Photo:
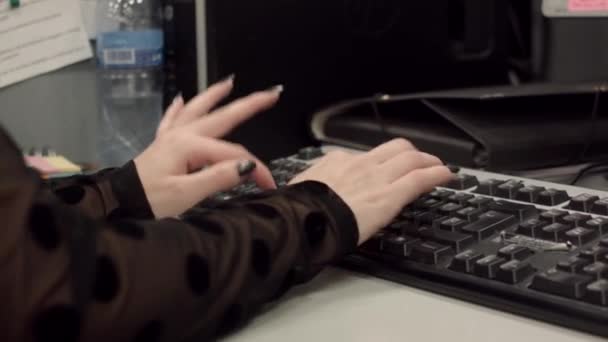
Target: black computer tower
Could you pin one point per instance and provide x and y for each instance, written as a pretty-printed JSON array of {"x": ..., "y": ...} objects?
[{"x": 328, "y": 51}]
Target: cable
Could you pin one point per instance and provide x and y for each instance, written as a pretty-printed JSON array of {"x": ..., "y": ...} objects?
[
  {"x": 516, "y": 27},
  {"x": 374, "y": 103},
  {"x": 592, "y": 123},
  {"x": 582, "y": 172},
  {"x": 590, "y": 136}
]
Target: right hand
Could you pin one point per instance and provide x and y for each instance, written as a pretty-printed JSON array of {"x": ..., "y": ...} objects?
[{"x": 376, "y": 185}]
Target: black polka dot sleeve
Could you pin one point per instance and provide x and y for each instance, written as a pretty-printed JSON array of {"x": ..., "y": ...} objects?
[
  {"x": 73, "y": 271},
  {"x": 111, "y": 193}
]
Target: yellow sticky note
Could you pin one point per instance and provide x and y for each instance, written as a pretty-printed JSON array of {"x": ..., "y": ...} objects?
[{"x": 63, "y": 165}]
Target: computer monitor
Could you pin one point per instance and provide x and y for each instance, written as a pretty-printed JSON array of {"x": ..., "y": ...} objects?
[{"x": 327, "y": 51}]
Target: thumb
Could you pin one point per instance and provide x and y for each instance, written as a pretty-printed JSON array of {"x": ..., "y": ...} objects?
[{"x": 218, "y": 177}]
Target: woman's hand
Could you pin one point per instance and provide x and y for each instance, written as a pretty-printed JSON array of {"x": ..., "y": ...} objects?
[
  {"x": 376, "y": 185},
  {"x": 188, "y": 162}
]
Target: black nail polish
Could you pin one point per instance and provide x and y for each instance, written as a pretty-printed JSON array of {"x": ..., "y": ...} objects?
[{"x": 246, "y": 167}]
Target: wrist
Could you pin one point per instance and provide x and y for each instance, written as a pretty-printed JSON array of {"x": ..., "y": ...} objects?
[{"x": 129, "y": 192}]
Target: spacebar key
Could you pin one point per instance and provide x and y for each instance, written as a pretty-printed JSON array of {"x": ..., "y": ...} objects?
[{"x": 488, "y": 224}]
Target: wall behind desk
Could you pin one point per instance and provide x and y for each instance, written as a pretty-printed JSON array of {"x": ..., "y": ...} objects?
[{"x": 58, "y": 109}]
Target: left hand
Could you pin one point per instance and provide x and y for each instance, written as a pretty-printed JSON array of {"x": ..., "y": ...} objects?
[{"x": 187, "y": 161}]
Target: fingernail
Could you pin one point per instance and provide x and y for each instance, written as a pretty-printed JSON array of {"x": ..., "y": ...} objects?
[
  {"x": 246, "y": 167},
  {"x": 178, "y": 97},
  {"x": 277, "y": 89},
  {"x": 230, "y": 78}
]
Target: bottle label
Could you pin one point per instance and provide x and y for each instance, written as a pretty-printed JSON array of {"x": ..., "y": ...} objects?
[{"x": 130, "y": 49}]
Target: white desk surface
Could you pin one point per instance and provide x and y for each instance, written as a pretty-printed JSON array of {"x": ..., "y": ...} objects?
[{"x": 343, "y": 306}]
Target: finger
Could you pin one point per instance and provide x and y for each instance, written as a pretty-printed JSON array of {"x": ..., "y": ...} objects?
[
  {"x": 170, "y": 115},
  {"x": 219, "y": 177},
  {"x": 225, "y": 119},
  {"x": 406, "y": 162},
  {"x": 420, "y": 181},
  {"x": 206, "y": 151},
  {"x": 388, "y": 150},
  {"x": 206, "y": 101}
]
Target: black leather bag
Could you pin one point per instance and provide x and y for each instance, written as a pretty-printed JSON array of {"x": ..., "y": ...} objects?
[{"x": 503, "y": 128}]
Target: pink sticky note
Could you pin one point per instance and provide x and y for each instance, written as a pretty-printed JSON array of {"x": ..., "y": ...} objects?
[
  {"x": 587, "y": 5},
  {"x": 40, "y": 164}
]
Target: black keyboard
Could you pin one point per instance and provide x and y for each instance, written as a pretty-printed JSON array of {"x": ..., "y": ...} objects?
[{"x": 531, "y": 248}]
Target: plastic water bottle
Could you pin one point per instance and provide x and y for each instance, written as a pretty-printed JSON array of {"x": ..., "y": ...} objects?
[{"x": 130, "y": 77}]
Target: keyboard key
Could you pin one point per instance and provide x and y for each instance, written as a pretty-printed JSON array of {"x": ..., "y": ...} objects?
[
  {"x": 488, "y": 224},
  {"x": 399, "y": 227},
  {"x": 600, "y": 207},
  {"x": 375, "y": 243},
  {"x": 465, "y": 261},
  {"x": 460, "y": 198},
  {"x": 463, "y": 182},
  {"x": 470, "y": 214},
  {"x": 430, "y": 253},
  {"x": 599, "y": 224},
  {"x": 428, "y": 204},
  {"x": 580, "y": 236},
  {"x": 597, "y": 270},
  {"x": 561, "y": 283},
  {"x": 521, "y": 211},
  {"x": 452, "y": 224},
  {"x": 449, "y": 209},
  {"x": 309, "y": 153},
  {"x": 509, "y": 189},
  {"x": 555, "y": 232},
  {"x": 301, "y": 167},
  {"x": 553, "y": 215},
  {"x": 515, "y": 252},
  {"x": 410, "y": 215},
  {"x": 414, "y": 229},
  {"x": 278, "y": 163},
  {"x": 595, "y": 253},
  {"x": 582, "y": 202},
  {"x": 426, "y": 218},
  {"x": 457, "y": 241},
  {"x": 531, "y": 228},
  {"x": 480, "y": 202},
  {"x": 573, "y": 264},
  {"x": 437, "y": 222},
  {"x": 552, "y": 197},
  {"x": 488, "y": 187},
  {"x": 597, "y": 292},
  {"x": 604, "y": 242},
  {"x": 529, "y": 193},
  {"x": 441, "y": 194},
  {"x": 398, "y": 245},
  {"x": 488, "y": 266},
  {"x": 514, "y": 271},
  {"x": 574, "y": 219}
]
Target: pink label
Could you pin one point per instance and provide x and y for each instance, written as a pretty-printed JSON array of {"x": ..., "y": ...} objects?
[{"x": 587, "y": 5}]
